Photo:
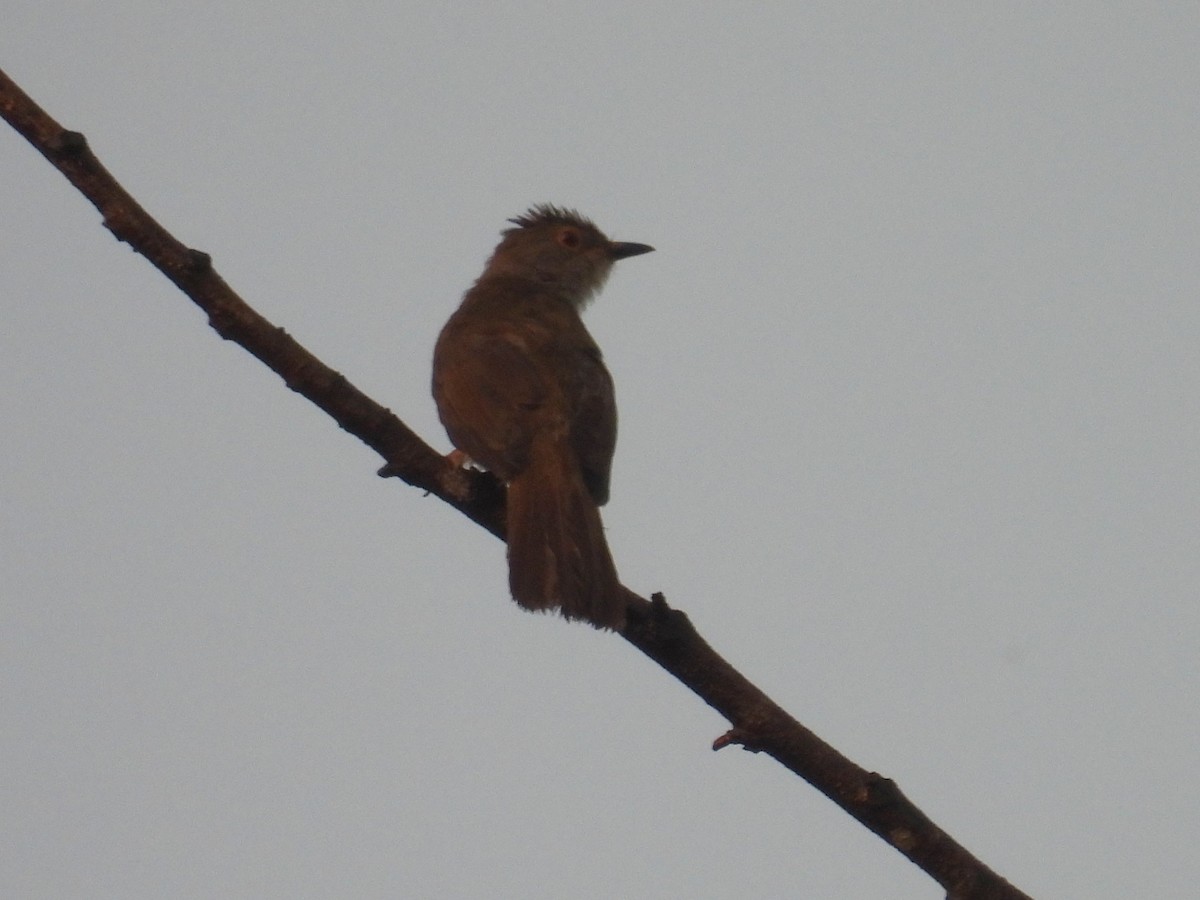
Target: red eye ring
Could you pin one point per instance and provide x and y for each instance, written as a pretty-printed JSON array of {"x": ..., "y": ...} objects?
[{"x": 570, "y": 238}]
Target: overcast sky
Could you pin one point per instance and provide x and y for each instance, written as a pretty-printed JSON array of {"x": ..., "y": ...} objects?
[{"x": 909, "y": 427}]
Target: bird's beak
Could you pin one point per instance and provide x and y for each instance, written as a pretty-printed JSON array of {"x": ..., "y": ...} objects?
[{"x": 623, "y": 249}]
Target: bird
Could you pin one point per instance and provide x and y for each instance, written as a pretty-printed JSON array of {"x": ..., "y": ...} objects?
[{"x": 523, "y": 392}]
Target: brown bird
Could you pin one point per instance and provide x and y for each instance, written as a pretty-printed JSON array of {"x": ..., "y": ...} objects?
[{"x": 522, "y": 390}]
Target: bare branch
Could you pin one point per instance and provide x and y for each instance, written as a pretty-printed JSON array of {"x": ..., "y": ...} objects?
[{"x": 664, "y": 634}]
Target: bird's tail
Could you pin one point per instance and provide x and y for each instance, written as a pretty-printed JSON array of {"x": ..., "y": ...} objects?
[{"x": 557, "y": 554}]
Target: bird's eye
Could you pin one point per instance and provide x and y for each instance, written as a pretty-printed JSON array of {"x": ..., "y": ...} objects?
[{"x": 570, "y": 238}]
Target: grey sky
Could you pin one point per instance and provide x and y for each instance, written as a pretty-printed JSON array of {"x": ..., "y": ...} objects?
[{"x": 908, "y": 426}]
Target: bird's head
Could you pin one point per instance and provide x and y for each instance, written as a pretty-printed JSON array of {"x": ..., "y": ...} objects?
[{"x": 560, "y": 248}]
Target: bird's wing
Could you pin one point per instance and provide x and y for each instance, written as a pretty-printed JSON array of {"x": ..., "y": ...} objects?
[{"x": 594, "y": 425}]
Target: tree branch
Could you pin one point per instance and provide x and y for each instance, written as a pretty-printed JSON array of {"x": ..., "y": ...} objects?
[{"x": 664, "y": 634}]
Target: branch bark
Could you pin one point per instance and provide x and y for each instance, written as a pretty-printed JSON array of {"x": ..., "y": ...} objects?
[{"x": 664, "y": 634}]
